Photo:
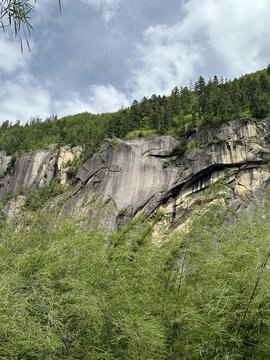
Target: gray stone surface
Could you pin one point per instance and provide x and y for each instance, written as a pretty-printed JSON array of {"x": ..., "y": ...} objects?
[
  {"x": 4, "y": 162},
  {"x": 34, "y": 170},
  {"x": 24, "y": 173},
  {"x": 131, "y": 174},
  {"x": 13, "y": 207},
  {"x": 126, "y": 178},
  {"x": 121, "y": 179},
  {"x": 237, "y": 153}
]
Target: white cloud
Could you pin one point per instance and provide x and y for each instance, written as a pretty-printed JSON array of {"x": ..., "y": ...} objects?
[
  {"x": 22, "y": 98},
  {"x": 11, "y": 58},
  {"x": 214, "y": 36},
  {"x": 105, "y": 98},
  {"x": 100, "y": 99},
  {"x": 164, "y": 61},
  {"x": 237, "y": 32},
  {"x": 71, "y": 105},
  {"x": 108, "y": 7}
]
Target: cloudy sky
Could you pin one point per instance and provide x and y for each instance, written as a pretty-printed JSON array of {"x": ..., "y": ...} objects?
[{"x": 100, "y": 55}]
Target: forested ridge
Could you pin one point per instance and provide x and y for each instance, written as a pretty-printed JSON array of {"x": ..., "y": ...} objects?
[{"x": 205, "y": 103}]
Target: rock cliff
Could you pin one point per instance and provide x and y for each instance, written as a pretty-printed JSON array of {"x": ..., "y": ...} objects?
[
  {"x": 140, "y": 176},
  {"x": 126, "y": 178},
  {"x": 237, "y": 154},
  {"x": 33, "y": 171}
]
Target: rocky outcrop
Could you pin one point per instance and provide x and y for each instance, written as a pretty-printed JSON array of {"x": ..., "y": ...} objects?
[
  {"x": 4, "y": 163},
  {"x": 139, "y": 176},
  {"x": 132, "y": 172},
  {"x": 64, "y": 159},
  {"x": 237, "y": 153},
  {"x": 33, "y": 171},
  {"x": 13, "y": 207},
  {"x": 126, "y": 178}
]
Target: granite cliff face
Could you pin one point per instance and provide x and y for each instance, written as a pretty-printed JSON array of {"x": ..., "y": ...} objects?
[
  {"x": 126, "y": 178},
  {"x": 237, "y": 154},
  {"x": 33, "y": 171}
]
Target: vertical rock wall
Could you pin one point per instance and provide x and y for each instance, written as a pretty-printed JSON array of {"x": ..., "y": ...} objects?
[{"x": 33, "y": 171}]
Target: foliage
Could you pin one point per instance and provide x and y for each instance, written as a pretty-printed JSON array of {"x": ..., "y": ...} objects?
[
  {"x": 169, "y": 162},
  {"x": 16, "y": 14},
  {"x": 268, "y": 70},
  {"x": 113, "y": 142},
  {"x": 140, "y": 133},
  {"x": 68, "y": 293},
  {"x": 180, "y": 148},
  {"x": 213, "y": 140},
  {"x": 74, "y": 130},
  {"x": 73, "y": 168},
  {"x": 191, "y": 144},
  {"x": 38, "y": 198}
]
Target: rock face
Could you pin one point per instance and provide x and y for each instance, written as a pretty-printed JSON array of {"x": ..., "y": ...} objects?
[
  {"x": 132, "y": 172},
  {"x": 238, "y": 153},
  {"x": 32, "y": 168},
  {"x": 65, "y": 156},
  {"x": 126, "y": 178},
  {"x": 4, "y": 162},
  {"x": 12, "y": 208},
  {"x": 33, "y": 171},
  {"x": 133, "y": 177}
]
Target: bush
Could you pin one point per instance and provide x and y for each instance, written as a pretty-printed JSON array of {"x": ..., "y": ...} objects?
[
  {"x": 38, "y": 198},
  {"x": 71, "y": 293},
  {"x": 181, "y": 148},
  {"x": 140, "y": 133}
]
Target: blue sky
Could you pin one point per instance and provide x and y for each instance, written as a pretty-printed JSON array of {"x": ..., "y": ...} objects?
[{"x": 100, "y": 55}]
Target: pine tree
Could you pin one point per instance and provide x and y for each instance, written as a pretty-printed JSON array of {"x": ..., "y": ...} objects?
[
  {"x": 200, "y": 85},
  {"x": 268, "y": 70},
  {"x": 265, "y": 87},
  {"x": 175, "y": 100}
]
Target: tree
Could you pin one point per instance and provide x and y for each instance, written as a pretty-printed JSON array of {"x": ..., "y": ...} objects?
[
  {"x": 259, "y": 106},
  {"x": 175, "y": 100},
  {"x": 265, "y": 87},
  {"x": 16, "y": 14},
  {"x": 268, "y": 70},
  {"x": 200, "y": 85}
]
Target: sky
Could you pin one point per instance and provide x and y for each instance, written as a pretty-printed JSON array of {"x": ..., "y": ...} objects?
[{"x": 100, "y": 55}]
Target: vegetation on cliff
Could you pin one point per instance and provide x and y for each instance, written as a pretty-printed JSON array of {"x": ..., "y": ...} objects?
[
  {"x": 68, "y": 293},
  {"x": 202, "y": 104}
]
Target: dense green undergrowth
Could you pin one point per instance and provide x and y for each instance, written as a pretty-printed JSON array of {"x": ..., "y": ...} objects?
[
  {"x": 69, "y": 293},
  {"x": 201, "y": 104}
]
